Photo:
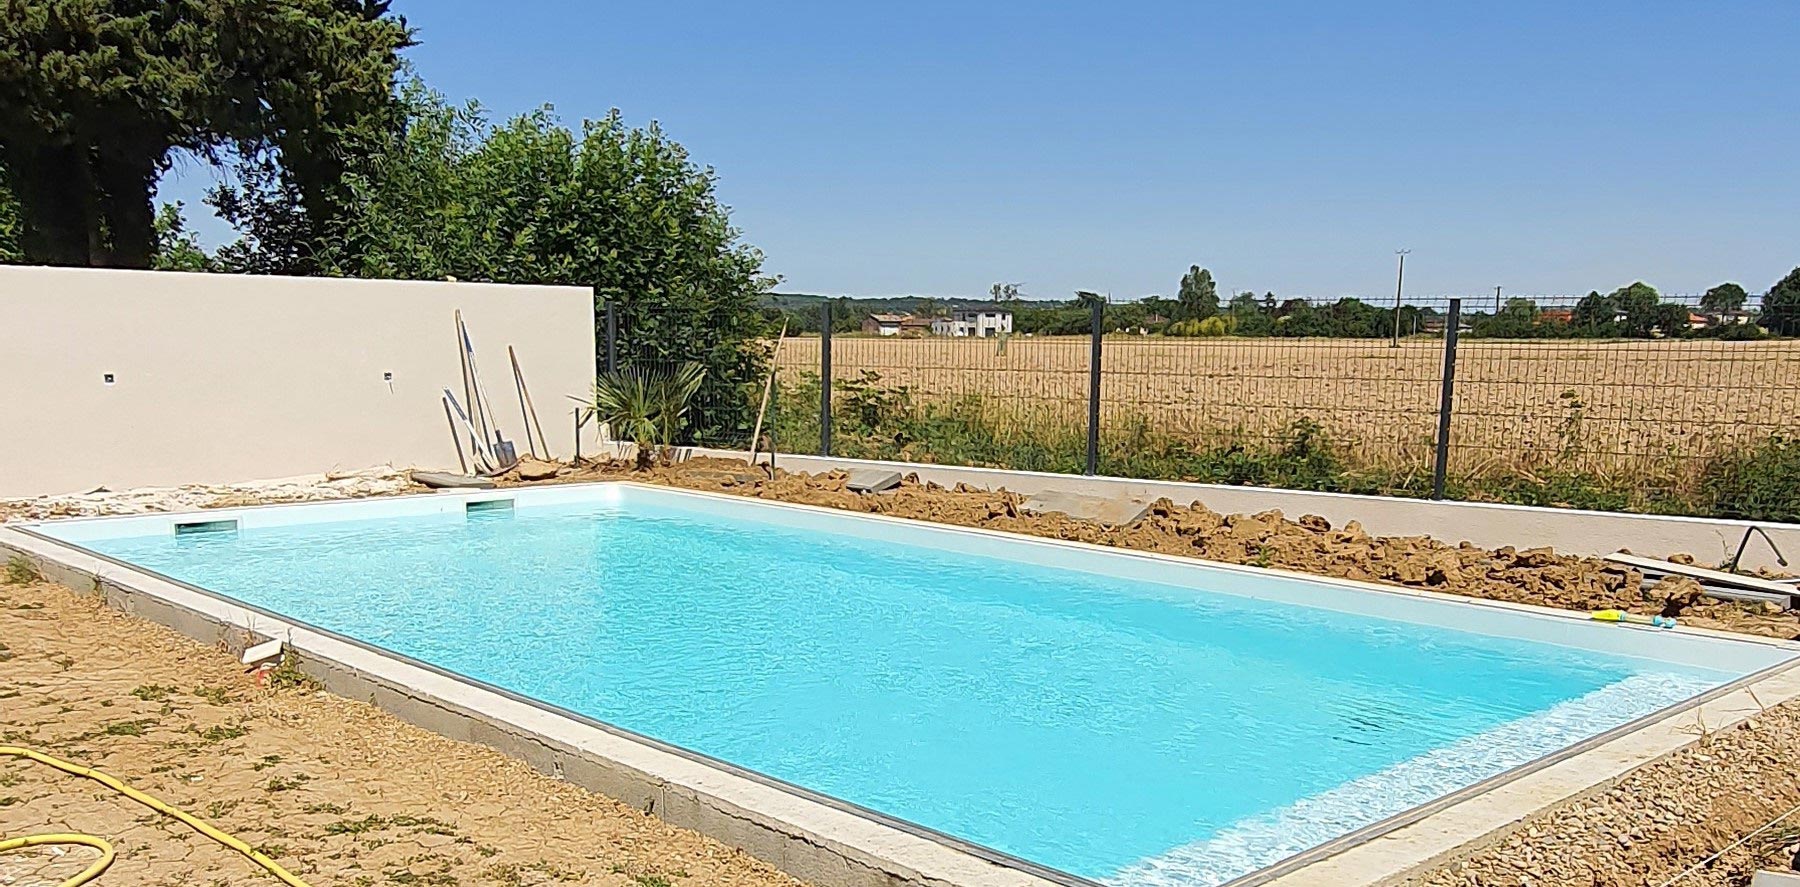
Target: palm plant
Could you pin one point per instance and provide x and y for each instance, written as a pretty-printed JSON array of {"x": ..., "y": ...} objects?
[{"x": 647, "y": 407}]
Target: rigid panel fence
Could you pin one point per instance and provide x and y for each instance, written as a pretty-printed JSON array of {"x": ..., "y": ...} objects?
[{"x": 1623, "y": 402}]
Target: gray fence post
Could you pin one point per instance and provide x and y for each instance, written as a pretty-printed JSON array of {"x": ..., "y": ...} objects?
[
  {"x": 612, "y": 338},
  {"x": 1093, "y": 434},
  {"x": 825, "y": 378},
  {"x": 1446, "y": 399}
]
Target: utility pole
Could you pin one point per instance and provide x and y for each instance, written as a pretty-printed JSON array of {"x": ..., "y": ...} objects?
[
  {"x": 1496, "y": 301},
  {"x": 1399, "y": 287}
]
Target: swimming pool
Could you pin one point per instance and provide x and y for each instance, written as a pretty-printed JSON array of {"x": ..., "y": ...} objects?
[{"x": 1123, "y": 718}]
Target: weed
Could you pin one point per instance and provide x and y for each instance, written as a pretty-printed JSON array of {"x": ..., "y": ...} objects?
[
  {"x": 9, "y": 800},
  {"x": 333, "y": 809},
  {"x": 288, "y": 676},
  {"x": 223, "y": 732},
  {"x": 215, "y": 695},
  {"x": 368, "y": 823},
  {"x": 126, "y": 728},
  {"x": 152, "y": 692},
  {"x": 19, "y": 571},
  {"x": 876, "y": 419},
  {"x": 217, "y": 809},
  {"x": 278, "y": 784},
  {"x": 653, "y": 881},
  {"x": 1758, "y": 483},
  {"x": 266, "y": 762}
]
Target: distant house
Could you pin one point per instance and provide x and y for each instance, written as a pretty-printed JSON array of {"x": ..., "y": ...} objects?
[
  {"x": 885, "y": 324},
  {"x": 1728, "y": 318},
  {"x": 979, "y": 321},
  {"x": 1556, "y": 315}
]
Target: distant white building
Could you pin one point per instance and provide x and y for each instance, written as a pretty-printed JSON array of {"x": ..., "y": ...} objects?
[{"x": 980, "y": 321}]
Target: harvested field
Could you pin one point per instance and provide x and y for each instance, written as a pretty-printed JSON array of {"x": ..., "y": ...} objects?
[
  {"x": 1602, "y": 406},
  {"x": 334, "y": 790}
]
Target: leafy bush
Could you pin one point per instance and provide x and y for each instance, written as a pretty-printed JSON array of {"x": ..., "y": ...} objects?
[
  {"x": 1758, "y": 483},
  {"x": 1209, "y": 327}
]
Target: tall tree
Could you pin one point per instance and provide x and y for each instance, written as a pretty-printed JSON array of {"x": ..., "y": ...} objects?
[
  {"x": 1781, "y": 306},
  {"x": 96, "y": 95},
  {"x": 1199, "y": 295},
  {"x": 1005, "y": 292},
  {"x": 12, "y": 249},
  {"x": 1723, "y": 298},
  {"x": 618, "y": 209}
]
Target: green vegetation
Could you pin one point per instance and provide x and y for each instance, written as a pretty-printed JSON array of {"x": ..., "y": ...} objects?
[
  {"x": 874, "y": 420},
  {"x": 340, "y": 165},
  {"x": 19, "y": 571},
  {"x": 647, "y": 407},
  {"x": 1781, "y": 307},
  {"x": 101, "y": 94},
  {"x": 1758, "y": 483}
]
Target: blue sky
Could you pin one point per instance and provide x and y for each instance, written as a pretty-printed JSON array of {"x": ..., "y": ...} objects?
[{"x": 927, "y": 147}]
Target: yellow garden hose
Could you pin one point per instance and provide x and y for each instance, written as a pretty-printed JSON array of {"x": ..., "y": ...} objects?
[
  {"x": 106, "y": 851},
  {"x": 87, "y": 874}
]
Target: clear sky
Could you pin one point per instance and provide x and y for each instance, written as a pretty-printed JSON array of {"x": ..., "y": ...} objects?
[{"x": 931, "y": 147}]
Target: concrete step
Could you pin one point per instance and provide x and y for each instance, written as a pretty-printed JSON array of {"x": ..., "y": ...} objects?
[
  {"x": 872, "y": 480},
  {"x": 1106, "y": 511}
]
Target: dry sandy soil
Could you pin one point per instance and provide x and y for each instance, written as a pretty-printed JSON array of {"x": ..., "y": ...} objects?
[
  {"x": 1619, "y": 404},
  {"x": 339, "y": 793}
]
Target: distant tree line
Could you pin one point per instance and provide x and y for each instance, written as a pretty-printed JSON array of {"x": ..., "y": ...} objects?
[{"x": 1633, "y": 311}]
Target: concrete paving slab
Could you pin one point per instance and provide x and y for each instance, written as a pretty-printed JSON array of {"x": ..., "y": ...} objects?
[
  {"x": 1775, "y": 879},
  {"x": 1105, "y": 510},
  {"x": 872, "y": 480},
  {"x": 439, "y": 480}
]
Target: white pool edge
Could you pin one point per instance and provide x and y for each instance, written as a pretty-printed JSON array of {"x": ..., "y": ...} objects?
[{"x": 835, "y": 844}]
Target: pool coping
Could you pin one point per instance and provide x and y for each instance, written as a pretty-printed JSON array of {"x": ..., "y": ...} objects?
[{"x": 837, "y": 844}]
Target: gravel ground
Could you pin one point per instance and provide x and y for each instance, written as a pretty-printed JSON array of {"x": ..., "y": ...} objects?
[
  {"x": 335, "y": 790},
  {"x": 1661, "y": 820}
]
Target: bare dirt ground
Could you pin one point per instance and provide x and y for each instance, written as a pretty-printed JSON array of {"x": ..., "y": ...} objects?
[{"x": 334, "y": 790}]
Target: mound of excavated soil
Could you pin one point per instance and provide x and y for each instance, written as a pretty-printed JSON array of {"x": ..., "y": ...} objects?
[{"x": 1269, "y": 539}]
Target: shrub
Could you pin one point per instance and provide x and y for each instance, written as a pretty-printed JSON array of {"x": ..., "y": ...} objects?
[{"x": 1761, "y": 482}]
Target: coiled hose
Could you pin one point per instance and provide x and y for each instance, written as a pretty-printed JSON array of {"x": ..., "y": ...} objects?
[{"x": 106, "y": 851}]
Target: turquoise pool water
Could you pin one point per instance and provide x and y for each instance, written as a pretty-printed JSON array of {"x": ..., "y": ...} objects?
[{"x": 1118, "y": 729}]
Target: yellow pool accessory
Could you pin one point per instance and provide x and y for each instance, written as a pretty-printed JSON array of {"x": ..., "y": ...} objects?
[
  {"x": 1632, "y": 618},
  {"x": 106, "y": 851},
  {"x": 87, "y": 874}
]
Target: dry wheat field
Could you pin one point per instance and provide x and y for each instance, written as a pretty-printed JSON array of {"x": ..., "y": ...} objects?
[{"x": 1602, "y": 405}]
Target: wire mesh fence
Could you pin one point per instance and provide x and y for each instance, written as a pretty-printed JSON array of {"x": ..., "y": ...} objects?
[{"x": 1601, "y": 401}]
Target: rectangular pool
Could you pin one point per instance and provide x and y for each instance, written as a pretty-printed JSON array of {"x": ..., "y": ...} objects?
[{"x": 1124, "y": 718}]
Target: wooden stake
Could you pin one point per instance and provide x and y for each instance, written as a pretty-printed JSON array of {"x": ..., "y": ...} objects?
[
  {"x": 768, "y": 386},
  {"x": 527, "y": 407}
]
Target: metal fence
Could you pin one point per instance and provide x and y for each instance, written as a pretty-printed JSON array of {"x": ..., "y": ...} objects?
[{"x": 1634, "y": 398}]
